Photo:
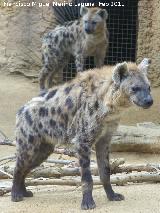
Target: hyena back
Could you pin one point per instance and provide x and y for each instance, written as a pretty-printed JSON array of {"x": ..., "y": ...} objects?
[
  {"x": 84, "y": 111},
  {"x": 80, "y": 38}
]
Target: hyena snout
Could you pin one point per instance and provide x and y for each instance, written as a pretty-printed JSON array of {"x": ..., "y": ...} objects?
[
  {"x": 89, "y": 27},
  {"x": 143, "y": 100},
  {"x": 148, "y": 101}
]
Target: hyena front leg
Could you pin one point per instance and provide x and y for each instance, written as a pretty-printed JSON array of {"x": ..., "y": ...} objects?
[
  {"x": 50, "y": 80},
  {"x": 102, "y": 154},
  {"x": 79, "y": 61},
  {"x": 86, "y": 178},
  {"x": 99, "y": 57}
]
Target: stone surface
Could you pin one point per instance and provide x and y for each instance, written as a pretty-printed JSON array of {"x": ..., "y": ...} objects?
[
  {"x": 148, "y": 42},
  {"x": 144, "y": 138},
  {"x": 20, "y": 37}
]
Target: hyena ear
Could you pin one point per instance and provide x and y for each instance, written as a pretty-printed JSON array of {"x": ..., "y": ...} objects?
[
  {"x": 103, "y": 13},
  {"x": 83, "y": 10},
  {"x": 144, "y": 65},
  {"x": 120, "y": 72}
]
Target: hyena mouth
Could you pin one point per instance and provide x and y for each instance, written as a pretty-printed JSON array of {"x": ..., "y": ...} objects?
[
  {"x": 89, "y": 31},
  {"x": 146, "y": 105}
]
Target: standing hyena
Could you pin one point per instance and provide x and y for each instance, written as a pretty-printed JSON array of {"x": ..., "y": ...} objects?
[
  {"x": 84, "y": 111},
  {"x": 85, "y": 37}
]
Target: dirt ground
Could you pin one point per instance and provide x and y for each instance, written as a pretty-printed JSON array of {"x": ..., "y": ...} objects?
[{"x": 139, "y": 198}]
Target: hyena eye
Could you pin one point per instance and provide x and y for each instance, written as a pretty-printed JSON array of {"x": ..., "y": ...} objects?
[
  {"x": 136, "y": 89},
  {"x": 94, "y": 22}
]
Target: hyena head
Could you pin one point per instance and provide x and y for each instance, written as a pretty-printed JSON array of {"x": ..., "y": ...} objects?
[
  {"x": 94, "y": 19},
  {"x": 133, "y": 83}
]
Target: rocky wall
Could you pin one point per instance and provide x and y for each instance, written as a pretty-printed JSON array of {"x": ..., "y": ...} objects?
[
  {"x": 148, "y": 42},
  {"x": 21, "y": 30}
]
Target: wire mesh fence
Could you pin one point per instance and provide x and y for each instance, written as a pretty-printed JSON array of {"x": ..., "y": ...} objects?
[{"x": 122, "y": 27}]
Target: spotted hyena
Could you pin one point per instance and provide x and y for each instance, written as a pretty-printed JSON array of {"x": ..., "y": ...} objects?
[
  {"x": 84, "y": 37},
  {"x": 84, "y": 112}
]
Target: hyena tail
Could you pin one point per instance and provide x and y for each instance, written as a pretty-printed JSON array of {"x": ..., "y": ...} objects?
[
  {"x": 66, "y": 13},
  {"x": 70, "y": 13}
]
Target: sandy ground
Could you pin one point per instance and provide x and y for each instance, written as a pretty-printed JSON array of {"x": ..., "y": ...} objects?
[{"x": 139, "y": 198}]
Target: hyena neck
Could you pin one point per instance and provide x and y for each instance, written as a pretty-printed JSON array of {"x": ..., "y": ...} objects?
[
  {"x": 98, "y": 37},
  {"x": 114, "y": 99},
  {"x": 102, "y": 33}
]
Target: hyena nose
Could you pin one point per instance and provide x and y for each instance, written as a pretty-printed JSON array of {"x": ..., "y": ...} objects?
[
  {"x": 89, "y": 31},
  {"x": 149, "y": 102}
]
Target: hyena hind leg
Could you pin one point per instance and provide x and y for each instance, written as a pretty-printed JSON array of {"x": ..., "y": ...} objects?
[
  {"x": 18, "y": 189},
  {"x": 42, "y": 78},
  {"x": 50, "y": 80},
  {"x": 55, "y": 78},
  {"x": 25, "y": 163}
]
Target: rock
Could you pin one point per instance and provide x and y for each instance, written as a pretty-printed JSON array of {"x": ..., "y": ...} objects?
[
  {"x": 141, "y": 138},
  {"x": 22, "y": 29}
]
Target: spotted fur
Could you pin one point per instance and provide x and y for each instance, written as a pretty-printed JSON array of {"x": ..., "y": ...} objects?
[{"x": 84, "y": 112}]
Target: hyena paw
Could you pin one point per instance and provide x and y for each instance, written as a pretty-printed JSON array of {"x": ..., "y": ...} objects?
[
  {"x": 16, "y": 196},
  {"x": 87, "y": 202},
  {"x": 116, "y": 197},
  {"x": 27, "y": 194}
]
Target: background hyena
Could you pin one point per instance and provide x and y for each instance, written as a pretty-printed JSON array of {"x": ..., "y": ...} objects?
[
  {"x": 84, "y": 111},
  {"x": 80, "y": 38}
]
